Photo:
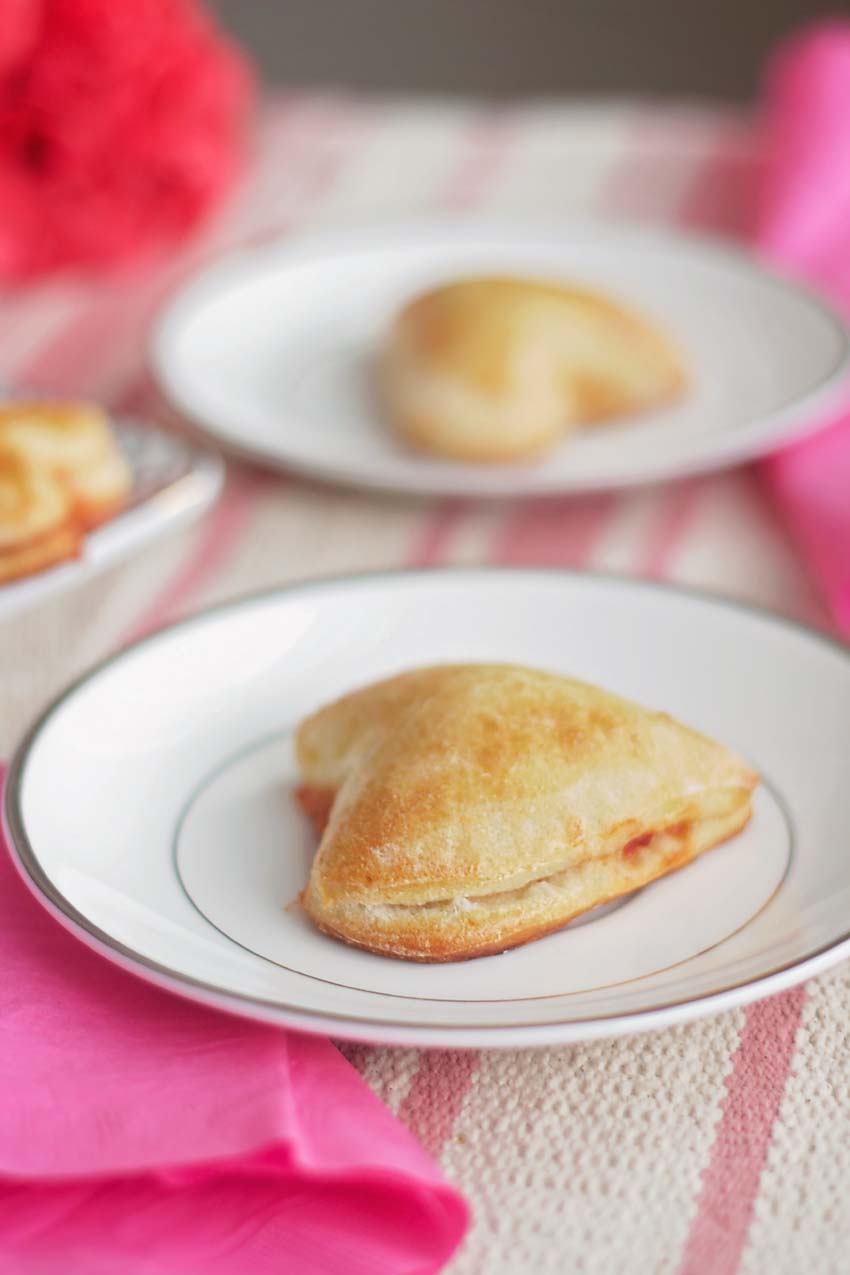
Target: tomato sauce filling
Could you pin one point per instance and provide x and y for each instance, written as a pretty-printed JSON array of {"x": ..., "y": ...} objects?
[{"x": 631, "y": 848}]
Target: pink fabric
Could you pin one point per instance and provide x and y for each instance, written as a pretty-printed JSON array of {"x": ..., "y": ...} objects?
[
  {"x": 142, "y": 1134},
  {"x": 804, "y": 223}
]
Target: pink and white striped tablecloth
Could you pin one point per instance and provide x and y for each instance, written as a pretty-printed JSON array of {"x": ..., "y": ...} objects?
[{"x": 706, "y": 1150}]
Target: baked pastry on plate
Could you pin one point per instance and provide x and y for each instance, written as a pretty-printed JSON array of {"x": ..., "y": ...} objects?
[
  {"x": 465, "y": 809},
  {"x": 499, "y": 369},
  {"x": 36, "y": 529},
  {"x": 75, "y": 441},
  {"x": 61, "y": 474}
]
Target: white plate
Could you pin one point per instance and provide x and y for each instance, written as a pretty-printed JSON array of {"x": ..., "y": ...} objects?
[
  {"x": 173, "y": 482},
  {"x": 271, "y": 351},
  {"x": 150, "y": 809}
]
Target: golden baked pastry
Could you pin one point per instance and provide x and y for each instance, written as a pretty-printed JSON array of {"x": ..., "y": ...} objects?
[
  {"x": 470, "y": 808},
  {"x": 61, "y": 473},
  {"x": 37, "y": 528},
  {"x": 76, "y": 442},
  {"x": 499, "y": 369}
]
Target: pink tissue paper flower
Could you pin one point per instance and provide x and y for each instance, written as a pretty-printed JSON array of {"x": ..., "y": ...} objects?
[{"x": 122, "y": 123}]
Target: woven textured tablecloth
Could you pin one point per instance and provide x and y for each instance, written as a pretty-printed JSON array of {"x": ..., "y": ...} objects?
[{"x": 704, "y": 1150}]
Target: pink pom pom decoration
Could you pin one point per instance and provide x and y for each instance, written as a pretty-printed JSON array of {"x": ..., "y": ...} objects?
[{"x": 122, "y": 124}]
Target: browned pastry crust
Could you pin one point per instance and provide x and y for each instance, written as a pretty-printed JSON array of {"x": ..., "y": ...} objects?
[
  {"x": 499, "y": 369},
  {"x": 76, "y": 442},
  {"x": 37, "y": 527},
  {"x": 472, "y": 808},
  {"x": 61, "y": 474},
  {"x": 47, "y": 551}
]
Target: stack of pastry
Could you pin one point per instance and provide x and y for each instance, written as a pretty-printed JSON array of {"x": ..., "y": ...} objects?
[{"x": 61, "y": 474}]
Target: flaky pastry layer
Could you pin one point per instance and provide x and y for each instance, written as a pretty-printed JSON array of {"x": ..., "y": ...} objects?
[
  {"x": 469, "y": 926},
  {"x": 61, "y": 474},
  {"x": 40, "y": 554}
]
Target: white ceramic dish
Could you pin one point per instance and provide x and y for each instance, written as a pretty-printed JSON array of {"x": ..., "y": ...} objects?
[
  {"x": 150, "y": 809},
  {"x": 173, "y": 482},
  {"x": 271, "y": 352}
]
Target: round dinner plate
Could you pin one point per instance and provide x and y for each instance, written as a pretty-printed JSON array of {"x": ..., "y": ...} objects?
[
  {"x": 150, "y": 809},
  {"x": 272, "y": 351}
]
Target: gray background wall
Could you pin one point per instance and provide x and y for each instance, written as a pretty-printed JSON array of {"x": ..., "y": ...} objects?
[{"x": 505, "y": 47}]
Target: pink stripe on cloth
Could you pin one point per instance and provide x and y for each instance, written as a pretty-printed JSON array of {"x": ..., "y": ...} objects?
[
  {"x": 489, "y": 140},
  {"x": 436, "y": 1095},
  {"x": 28, "y": 323},
  {"x": 722, "y": 199},
  {"x": 625, "y": 191},
  {"x": 678, "y": 506},
  {"x": 755, "y": 1088},
  {"x": 808, "y": 486},
  {"x": 80, "y": 356},
  {"x": 555, "y": 532},
  {"x": 430, "y": 548}
]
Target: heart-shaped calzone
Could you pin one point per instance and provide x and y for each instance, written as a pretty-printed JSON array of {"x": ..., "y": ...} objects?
[
  {"x": 500, "y": 369},
  {"x": 466, "y": 809}
]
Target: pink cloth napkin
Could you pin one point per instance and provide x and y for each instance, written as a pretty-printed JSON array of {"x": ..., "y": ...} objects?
[
  {"x": 804, "y": 224},
  {"x": 144, "y": 1135}
]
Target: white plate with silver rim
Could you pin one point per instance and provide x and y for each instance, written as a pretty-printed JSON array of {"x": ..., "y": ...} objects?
[
  {"x": 271, "y": 352},
  {"x": 151, "y": 811},
  {"x": 173, "y": 482}
]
